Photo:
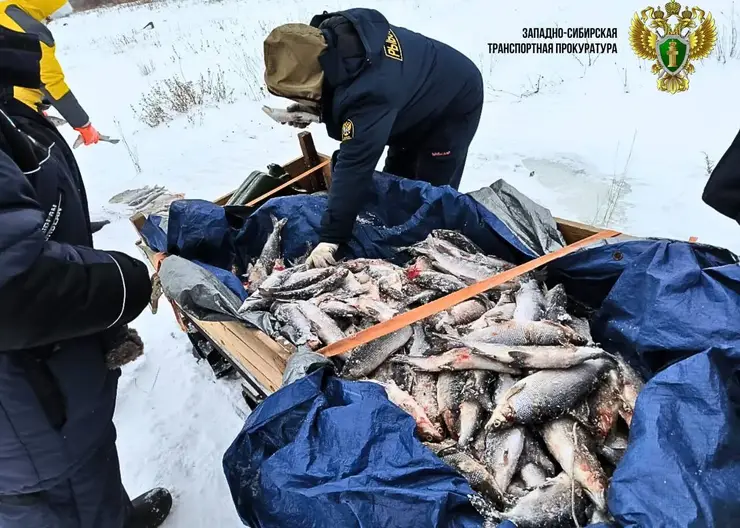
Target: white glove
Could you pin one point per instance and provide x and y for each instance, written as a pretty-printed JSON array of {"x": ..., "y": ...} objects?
[
  {"x": 298, "y": 120},
  {"x": 322, "y": 256}
]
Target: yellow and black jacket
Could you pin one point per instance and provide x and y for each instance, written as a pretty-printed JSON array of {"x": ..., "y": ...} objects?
[{"x": 26, "y": 16}]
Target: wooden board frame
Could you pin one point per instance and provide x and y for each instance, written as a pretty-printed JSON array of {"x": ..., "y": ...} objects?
[{"x": 258, "y": 358}]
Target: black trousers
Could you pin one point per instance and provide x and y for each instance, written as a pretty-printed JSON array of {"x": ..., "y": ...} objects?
[{"x": 440, "y": 157}]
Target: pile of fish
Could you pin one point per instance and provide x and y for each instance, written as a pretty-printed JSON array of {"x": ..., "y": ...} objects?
[{"x": 508, "y": 387}]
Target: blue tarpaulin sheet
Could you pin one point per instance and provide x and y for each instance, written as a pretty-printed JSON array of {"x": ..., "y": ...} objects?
[
  {"x": 198, "y": 231},
  {"x": 329, "y": 452},
  {"x": 384, "y": 224},
  {"x": 671, "y": 308}
]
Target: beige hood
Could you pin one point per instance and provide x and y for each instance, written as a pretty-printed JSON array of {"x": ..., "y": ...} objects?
[{"x": 292, "y": 68}]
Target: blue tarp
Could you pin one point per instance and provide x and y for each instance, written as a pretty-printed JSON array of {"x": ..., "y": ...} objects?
[
  {"x": 325, "y": 452},
  {"x": 384, "y": 225},
  {"x": 671, "y": 308},
  {"x": 198, "y": 231}
]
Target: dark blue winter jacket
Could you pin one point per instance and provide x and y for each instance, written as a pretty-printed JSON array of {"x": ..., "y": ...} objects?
[
  {"x": 393, "y": 90},
  {"x": 59, "y": 298}
]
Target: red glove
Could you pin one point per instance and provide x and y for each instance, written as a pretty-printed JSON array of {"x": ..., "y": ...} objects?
[{"x": 89, "y": 135}]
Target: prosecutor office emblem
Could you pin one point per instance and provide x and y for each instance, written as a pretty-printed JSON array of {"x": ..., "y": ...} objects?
[
  {"x": 673, "y": 46},
  {"x": 348, "y": 130}
]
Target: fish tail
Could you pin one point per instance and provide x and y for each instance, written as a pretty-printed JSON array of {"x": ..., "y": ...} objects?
[{"x": 277, "y": 223}]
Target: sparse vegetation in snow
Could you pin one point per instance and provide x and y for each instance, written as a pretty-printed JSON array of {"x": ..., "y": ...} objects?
[
  {"x": 727, "y": 43},
  {"x": 177, "y": 96},
  {"x": 146, "y": 68},
  {"x": 605, "y": 212},
  {"x": 133, "y": 154}
]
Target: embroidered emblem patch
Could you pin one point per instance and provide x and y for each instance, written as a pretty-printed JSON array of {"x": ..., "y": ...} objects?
[
  {"x": 348, "y": 130},
  {"x": 392, "y": 47}
]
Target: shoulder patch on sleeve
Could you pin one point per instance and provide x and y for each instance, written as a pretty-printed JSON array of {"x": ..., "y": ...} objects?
[
  {"x": 29, "y": 24},
  {"x": 348, "y": 130},
  {"x": 392, "y": 47}
]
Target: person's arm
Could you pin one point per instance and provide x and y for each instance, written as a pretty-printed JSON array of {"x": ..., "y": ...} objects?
[
  {"x": 53, "y": 83},
  {"x": 366, "y": 128},
  {"x": 50, "y": 291}
]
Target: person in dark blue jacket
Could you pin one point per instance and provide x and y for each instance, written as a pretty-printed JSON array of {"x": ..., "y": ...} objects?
[
  {"x": 64, "y": 314},
  {"x": 375, "y": 85}
]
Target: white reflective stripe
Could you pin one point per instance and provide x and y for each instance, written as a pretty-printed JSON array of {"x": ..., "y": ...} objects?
[
  {"x": 123, "y": 282},
  {"x": 47, "y": 158}
]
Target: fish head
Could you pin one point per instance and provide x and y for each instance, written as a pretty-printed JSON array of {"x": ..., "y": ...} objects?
[
  {"x": 501, "y": 417},
  {"x": 350, "y": 368}
]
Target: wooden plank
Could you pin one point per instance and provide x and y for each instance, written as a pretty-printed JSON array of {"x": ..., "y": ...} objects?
[
  {"x": 326, "y": 171},
  {"x": 138, "y": 220},
  {"x": 575, "y": 231},
  {"x": 275, "y": 347},
  {"x": 310, "y": 156},
  {"x": 422, "y": 312},
  {"x": 222, "y": 200},
  {"x": 298, "y": 178},
  {"x": 295, "y": 167},
  {"x": 265, "y": 370}
]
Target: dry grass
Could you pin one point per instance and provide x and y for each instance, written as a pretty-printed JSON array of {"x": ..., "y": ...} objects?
[
  {"x": 121, "y": 43},
  {"x": 727, "y": 39},
  {"x": 146, "y": 68},
  {"x": 605, "y": 214},
  {"x": 249, "y": 69},
  {"x": 133, "y": 154},
  {"x": 178, "y": 96},
  {"x": 87, "y": 5}
]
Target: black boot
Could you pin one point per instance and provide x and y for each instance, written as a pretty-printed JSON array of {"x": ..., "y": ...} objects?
[{"x": 150, "y": 509}]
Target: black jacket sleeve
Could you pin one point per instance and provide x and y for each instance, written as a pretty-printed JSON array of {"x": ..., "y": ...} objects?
[
  {"x": 722, "y": 191},
  {"x": 365, "y": 131},
  {"x": 50, "y": 291}
]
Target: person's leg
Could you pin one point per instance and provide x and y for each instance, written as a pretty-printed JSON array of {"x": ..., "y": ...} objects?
[
  {"x": 401, "y": 162},
  {"x": 98, "y": 491},
  {"x": 442, "y": 159},
  {"x": 102, "y": 501},
  {"x": 92, "y": 497},
  {"x": 54, "y": 509}
]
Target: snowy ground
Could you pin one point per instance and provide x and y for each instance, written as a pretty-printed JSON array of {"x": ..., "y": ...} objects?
[{"x": 561, "y": 128}]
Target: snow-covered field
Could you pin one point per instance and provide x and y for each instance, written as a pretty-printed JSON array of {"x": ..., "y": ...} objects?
[{"x": 567, "y": 130}]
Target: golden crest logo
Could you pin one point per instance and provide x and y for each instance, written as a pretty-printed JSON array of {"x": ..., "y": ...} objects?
[
  {"x": 392, "y": 47},
  {"x": 348, "y": 130},
  {"x": 673, "y": 46}
]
